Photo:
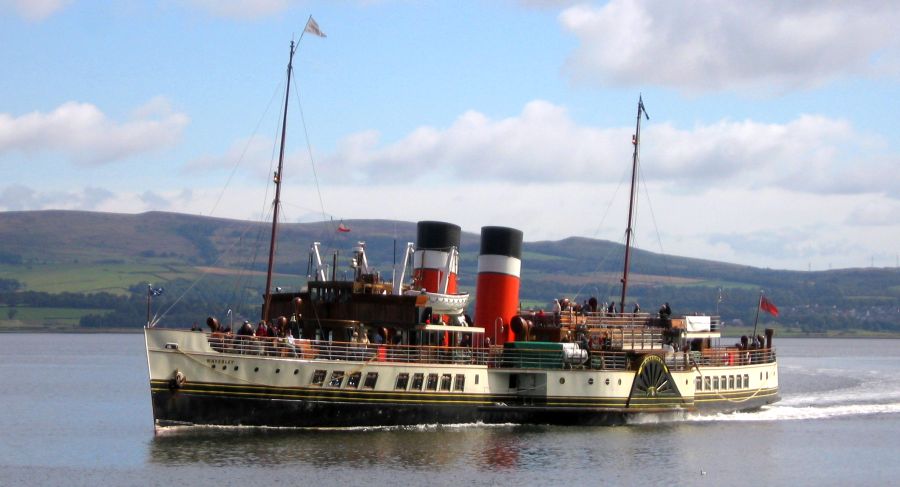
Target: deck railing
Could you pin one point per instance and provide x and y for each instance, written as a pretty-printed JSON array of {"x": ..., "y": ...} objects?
[
  {"x": 733, "y": 357},
  {"x": 494, "y": 357}
]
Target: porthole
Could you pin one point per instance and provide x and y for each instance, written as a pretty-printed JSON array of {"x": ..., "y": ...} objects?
[
  {"x": 256, "y": 369},
  {"x": 224, "y": 367},
  {"x": 591, "y": 381},
  {"x": 607, "y": 381},
  {"x": 296, "y": 371},
  {"x": 277, "y": 371},
  {"x": 562, "y": 380},
  {"x": 213, "y": 365},
  {"x": 235, "y": 368},
  {"x": 620, "y": 381}
]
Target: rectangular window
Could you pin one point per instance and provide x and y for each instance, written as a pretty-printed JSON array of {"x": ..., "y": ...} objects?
[
  {"x": 446, "y": 379},
  {"x": 460, "y": 383},
  {"x": 418, "y": 379},
  {"x": 371, "y": 379},
  {"x": 715, "y": 384},
  {"x": 476, "y": 379},
  {"x": 724, "y": 382},
  {"x": 431, "y": 385},
  {"x": 706, "y": 383},
  {"x": 402, "y": 382},
  {"x": 337, "y": 377},
  {"x": 318, "y": 378},
  {"x": 731, "y": 382},
  {"x": 699, "y": 383},
  {"x": 746, "y": 380},
  {"x": 739, "y": 384},
  {"x": 353, "y": 380}
]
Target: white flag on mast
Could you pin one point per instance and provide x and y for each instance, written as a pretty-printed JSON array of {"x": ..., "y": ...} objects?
[{"x": 313, "y": 27}]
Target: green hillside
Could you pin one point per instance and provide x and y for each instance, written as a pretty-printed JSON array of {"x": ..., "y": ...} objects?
[{"x": 86, "y": 270}]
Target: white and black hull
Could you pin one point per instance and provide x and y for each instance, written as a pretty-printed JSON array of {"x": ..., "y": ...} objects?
[{"x": 193, "y": 384}]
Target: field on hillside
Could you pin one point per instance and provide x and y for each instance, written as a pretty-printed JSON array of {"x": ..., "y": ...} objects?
[
  {"x": 25, "y": 318},
  {"x": 113, "y": 278}
]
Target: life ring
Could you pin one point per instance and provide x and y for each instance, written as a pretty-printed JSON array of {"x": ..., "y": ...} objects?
[{"x": 178, "y": 380}]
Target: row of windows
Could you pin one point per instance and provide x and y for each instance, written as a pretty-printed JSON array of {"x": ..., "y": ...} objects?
[
  {"x": 726, "y": 382},
  {"x": 337, "y": 379},
  {"x": 722, "y": 383},
  {"x": 432, "y": 382}
]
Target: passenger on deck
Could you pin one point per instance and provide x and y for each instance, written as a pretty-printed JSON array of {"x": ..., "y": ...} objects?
[
  {"x": 637, "y": 308},
  {"x": 262, "y": 330},
  {"x": 665, "y": 312},
  {"x": 246, "y": 329},
  {"x": 213, "y": 324}
]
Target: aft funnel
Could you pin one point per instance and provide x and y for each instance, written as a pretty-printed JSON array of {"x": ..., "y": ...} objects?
[{"x": 499, "y": 268}]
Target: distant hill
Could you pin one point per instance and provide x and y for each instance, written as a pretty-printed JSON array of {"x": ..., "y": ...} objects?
[{"x": 49, "y": 253}]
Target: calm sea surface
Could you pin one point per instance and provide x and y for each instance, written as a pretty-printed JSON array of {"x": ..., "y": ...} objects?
[{"x": 75, "y": 410}]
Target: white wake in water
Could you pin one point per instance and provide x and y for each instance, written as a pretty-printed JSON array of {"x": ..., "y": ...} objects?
[
  {"x": 872, "y": 392},
  {"x": 778, "y": 412}
]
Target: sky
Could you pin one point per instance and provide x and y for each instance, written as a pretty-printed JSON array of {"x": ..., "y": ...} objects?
[{"x": 772, "y": 140}]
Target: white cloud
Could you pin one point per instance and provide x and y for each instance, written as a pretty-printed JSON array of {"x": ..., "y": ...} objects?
[
  {"x": 17, "y": 197},
  {"x": 810, "y": 153},
  {"x": 531, "y": 146},
  {"x": 708, "y": 45},
  {"x": 875, "y": 212},
  {"x": 154, "y": 201},
  {"x": 34, "y": 10},
  {"x": 242, "y": 9},
  {"x": 87, "y": 136},
  {"x": 254, "y": 153}
]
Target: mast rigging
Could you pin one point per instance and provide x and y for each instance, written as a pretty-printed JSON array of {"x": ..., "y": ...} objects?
[
  {"x": 278, "y": 178},
  {"x": 628, "y": 231}
]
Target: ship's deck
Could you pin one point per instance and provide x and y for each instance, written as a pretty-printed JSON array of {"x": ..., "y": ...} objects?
[{"x": 522, "y": 356}]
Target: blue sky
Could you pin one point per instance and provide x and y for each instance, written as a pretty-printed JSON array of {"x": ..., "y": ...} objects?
[{"x": 772, "y": 141}]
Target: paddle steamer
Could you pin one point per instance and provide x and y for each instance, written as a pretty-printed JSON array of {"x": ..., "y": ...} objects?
[{"x": 368, "y": 352}]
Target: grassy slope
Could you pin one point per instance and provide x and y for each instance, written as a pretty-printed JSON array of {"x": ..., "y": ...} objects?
[{"x": 93, "y": 252}]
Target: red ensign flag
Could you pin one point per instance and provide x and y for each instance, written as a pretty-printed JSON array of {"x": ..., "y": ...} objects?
[{"x": 768, "y": 306}]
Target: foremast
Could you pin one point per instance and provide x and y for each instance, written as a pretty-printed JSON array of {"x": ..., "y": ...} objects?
[
  {"x": 278, "y": 179},
  {"x": 631, "y": 202}
]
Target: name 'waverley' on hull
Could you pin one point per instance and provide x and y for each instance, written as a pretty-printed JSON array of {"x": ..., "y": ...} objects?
[{"x": 367, "y": 352}]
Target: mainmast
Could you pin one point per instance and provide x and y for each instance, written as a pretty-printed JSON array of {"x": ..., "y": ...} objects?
[
  {"x": 628, "y": 231},
  {"x": 277, "y": 203}
]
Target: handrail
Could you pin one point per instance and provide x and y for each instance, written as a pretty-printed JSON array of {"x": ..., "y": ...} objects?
[
  {"x": 493, "y": 357},
  {"x": 350, "y": 351}
]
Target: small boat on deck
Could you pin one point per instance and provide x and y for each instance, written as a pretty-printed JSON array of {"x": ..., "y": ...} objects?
[{"x": 367, "y": 352}]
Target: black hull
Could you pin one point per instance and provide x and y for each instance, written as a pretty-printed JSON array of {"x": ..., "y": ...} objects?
[
  {"x": 174, "y": 407},
  {"x": 171, "y": 408}
]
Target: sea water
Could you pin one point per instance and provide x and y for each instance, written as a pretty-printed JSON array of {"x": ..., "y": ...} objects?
[{"x": 75, "y": 410}]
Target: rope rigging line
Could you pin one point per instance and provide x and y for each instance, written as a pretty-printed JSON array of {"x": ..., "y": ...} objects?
[
  {"x": 244, "y": 152},
  {"x": 599, "y": 265},
  {"x": 158, "y": 317},
  {"x": 662, "y": 252},
  {"x": 312, "y": 160}
]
